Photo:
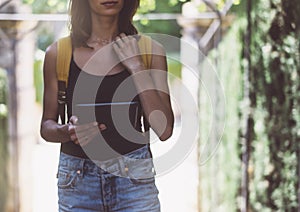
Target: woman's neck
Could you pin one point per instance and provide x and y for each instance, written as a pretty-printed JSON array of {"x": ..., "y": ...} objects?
[{"x": 104, "y": 27}]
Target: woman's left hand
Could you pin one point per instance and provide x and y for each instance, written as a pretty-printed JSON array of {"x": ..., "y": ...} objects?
[{"x": 127, "y": 49}]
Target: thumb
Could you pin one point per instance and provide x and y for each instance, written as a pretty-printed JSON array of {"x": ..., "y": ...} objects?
[
  {"x": 74, "y": 120},
  {"x": 102, "y": 127}
]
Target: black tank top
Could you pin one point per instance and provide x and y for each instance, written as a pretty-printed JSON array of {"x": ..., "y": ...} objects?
[{"x": 111, "y": 100}]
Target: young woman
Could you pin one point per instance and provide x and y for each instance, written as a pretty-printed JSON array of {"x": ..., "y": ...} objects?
[{"x": 100, "y": 169}]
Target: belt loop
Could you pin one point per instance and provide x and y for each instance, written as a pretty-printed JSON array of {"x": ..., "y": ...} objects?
[
  {"x": 123, "y": 167},
  {"x": 81, "y": 170}
]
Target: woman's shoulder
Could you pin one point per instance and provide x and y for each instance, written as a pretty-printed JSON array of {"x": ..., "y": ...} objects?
[
  {"x": 156, "y": 47},
  {"x": 50, "y": 61},
  {"x": 51, "y": 51}
]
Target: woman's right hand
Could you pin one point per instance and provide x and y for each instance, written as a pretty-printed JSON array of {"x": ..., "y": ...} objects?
[{"x": 82, "y": 134}]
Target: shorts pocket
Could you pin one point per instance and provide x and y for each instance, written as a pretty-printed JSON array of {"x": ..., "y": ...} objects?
[
  {"x": 66, "y": 180},
  {"x": 142, "y": 181},
  {"x": 141, "y": 171}
]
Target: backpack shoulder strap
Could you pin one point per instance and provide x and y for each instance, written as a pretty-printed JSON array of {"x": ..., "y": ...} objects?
[
  {"x": 64, "y": 54},
  {"x": 145, "y": 46}
]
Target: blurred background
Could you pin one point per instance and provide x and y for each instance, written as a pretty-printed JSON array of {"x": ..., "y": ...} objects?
[{"x": 254, "y": 47}]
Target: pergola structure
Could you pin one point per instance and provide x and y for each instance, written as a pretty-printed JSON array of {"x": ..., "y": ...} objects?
[{"x": 17, "y": 48}]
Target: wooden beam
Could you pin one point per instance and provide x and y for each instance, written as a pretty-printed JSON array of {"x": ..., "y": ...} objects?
[{"x": 64, "y": 17}]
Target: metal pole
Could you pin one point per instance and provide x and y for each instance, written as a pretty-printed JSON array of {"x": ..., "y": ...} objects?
[{"x": 12, "y": 131}]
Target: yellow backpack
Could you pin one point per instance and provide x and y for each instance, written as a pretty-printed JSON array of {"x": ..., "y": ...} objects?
[{"x": 64, "y": 54}]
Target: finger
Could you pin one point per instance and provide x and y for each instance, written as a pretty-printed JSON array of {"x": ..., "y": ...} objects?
[
  {"x": 122, "y": 35},
  {"x": 87, "y": 133},
  {"x": 76, "y": 142},
  {"x": 76, "y": 133},
  {"x": 102, "y": 127},
  {"x": 74, "y": 120},
  {"x": 88, "y": 138},
  {"x": 120, "y": 42},
  {"x": 71, "y": 129},
  {"x": 83, "y": 141},
  {"x": 118, "y": 37},
  {"x": 119, "y": 52},
  {"x": 125, "y": 38},
  {"x": 90, "y": 130},
  {"x": 84, "y": 127},
  {"x": 116, "y": 46},
  {"x": 74, "y": 138}
]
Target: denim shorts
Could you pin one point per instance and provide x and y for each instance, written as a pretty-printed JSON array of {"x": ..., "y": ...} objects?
[{"x": 124, "y": 184}]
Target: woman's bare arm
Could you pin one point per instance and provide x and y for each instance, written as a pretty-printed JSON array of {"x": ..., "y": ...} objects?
[
  {"x": 152, "y": 85},
  {"x": 159, "y": 74},
  {"x": 50, "y": 130}
]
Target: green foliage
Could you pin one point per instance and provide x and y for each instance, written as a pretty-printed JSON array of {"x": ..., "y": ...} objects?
[
  {"x": 169, "y": 27},
  {"x": 220, "y": 176},
  {"x": 38, "y": 75},
  {"x": 3, "y": 140},
  {"x": 60, "y": 6},
  {"x": 47, "y": 6},
  {"x": 3, "y": 90},
  {"x": 46, "y": 36},
  {"x": 174, "y": 67},
  {"x": 161, "y": 6},
  {"x": 275, "y": 83},
  {"x": 219, "y": 4},
  {"x": 146, "y": 6}
]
